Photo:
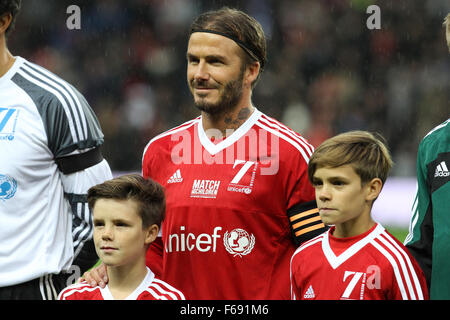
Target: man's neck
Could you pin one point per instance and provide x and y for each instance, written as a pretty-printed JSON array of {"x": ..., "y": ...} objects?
[
  {"x": 227, "y": 122},
  {"x": 124, "y": 280},
  {"x": 6, "y": 58}
]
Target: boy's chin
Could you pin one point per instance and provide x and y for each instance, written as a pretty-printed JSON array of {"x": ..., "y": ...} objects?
[
  {"x": 328, "y": 220},
  {"x": 110, "y": 262}
]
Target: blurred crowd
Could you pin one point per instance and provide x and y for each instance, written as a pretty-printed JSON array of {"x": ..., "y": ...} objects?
[{"x": 326, "y": 71}]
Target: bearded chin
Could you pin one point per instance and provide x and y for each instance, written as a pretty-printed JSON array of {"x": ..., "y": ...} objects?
[
  {"x": 227, "y": 101},
  {"x": 211, "y": 108}
]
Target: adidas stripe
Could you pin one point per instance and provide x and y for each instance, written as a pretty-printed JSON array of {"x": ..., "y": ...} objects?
[
  {"x": 404, "y": 272},
  {"x": 65, "y": 95},
  {"x": 169, "y": 132},
  {"x": 298, "y": 144}
]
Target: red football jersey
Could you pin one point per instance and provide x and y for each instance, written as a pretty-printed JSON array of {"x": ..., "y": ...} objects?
[
  {"x": 226, "y": 233},
  {"x": 371, "y": 266},
  {"x": 149, "y": 289}
]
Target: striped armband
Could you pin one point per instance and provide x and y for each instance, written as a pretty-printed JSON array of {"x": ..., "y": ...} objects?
[{"x": 305, "y": 221}]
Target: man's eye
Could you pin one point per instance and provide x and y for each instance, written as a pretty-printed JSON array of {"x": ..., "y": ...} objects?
[
  {"x": 214, "y": 60},
  {"x": 192, "y": 60}
]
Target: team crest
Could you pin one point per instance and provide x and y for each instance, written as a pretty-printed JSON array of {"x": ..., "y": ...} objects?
[
  {"x": 238, "y": 242},
  {"x": 8, "y": 187}
]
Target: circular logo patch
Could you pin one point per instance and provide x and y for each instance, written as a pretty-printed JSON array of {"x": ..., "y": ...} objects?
[
  {"x": 238, "y": 242},
  {"x": 8, "y": 187}
]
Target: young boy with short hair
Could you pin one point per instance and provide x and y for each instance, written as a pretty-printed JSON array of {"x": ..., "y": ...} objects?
[
  {"x": 356, "y": 258},
  {"x": 127, "y": 213}
]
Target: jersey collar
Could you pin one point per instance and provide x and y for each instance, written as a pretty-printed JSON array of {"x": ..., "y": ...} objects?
[
  {"x": 213, "y": 148},
  {"x": 336, "y": 261},
  {"x": 106, "y": 293},
  {"x": 12, "y": 71}
]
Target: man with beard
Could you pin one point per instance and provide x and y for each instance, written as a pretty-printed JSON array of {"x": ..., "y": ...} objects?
[{"x": 238, "y": 196}]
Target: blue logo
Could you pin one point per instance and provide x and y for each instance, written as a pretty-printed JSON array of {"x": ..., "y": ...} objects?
[
  {"x": 8, "y": 187},
  {"x": 8, "y": 120}
]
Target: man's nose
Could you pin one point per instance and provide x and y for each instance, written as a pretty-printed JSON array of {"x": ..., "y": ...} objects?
[{"x": 201, "y": 71}]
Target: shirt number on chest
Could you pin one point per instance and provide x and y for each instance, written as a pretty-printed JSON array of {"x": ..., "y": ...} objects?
[
  {"x": 370, "y": 279},
  {"x": 243, "y": 187},
  {"x": 247, "y": 165},
  {"x": 354, "y": 277}
]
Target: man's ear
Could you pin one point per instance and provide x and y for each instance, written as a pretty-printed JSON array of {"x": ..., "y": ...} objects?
[
  {"x": 373, "y": 188},
  {"x": 252, "y": 72},
  {"x": 5, "y": 22},
  {"x": 151, "y": 233}
]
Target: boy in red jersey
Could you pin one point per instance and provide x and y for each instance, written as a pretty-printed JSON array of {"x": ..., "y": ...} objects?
[
  {"x": 356, "y": 259},
  {"x": 127, "y": 213}
]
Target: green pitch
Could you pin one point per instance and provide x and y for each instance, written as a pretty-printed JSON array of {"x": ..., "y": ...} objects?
[{"x": 399, "y": 233}]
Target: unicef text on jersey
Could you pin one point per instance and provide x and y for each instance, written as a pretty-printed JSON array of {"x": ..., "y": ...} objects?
[
  {"x": 255, "y": 146},
  {"x": 237, "y": 242}
]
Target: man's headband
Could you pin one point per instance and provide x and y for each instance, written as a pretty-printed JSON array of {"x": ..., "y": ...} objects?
[{"x": 240, "y": 43}]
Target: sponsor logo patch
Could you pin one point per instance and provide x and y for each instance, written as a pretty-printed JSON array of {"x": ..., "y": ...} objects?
[{"x": 205, "y": 189}]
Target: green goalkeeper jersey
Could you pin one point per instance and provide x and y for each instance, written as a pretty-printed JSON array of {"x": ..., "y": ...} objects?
[{"x": 429, "y": 234}]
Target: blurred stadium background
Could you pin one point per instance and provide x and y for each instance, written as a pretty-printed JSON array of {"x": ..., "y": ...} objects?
[{"x": 327, "y": 72}]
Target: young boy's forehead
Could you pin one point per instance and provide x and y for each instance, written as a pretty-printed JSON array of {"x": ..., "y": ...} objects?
[
  {"x": 347, "y": 171},
  {"x": 115, "y": 207}
]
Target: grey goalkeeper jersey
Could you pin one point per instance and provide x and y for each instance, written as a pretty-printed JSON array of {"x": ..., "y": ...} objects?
[{"x": 44, "y": 219}]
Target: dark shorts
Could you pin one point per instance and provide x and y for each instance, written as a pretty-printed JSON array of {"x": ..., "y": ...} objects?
[{"x": 44, "y": 288}]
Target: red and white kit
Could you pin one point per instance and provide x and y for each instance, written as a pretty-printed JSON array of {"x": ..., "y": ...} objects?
[
  {"x": 370, "y": 266},
  {"x": 226, "y": 234},
  {"x": 149, "y": 289}
]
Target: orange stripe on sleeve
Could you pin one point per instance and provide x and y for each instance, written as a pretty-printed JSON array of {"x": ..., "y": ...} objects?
[
  {"x": 309, "y": 229},
  {"x": 303, "y": 214},
  {"x": 303, "y": 222}
]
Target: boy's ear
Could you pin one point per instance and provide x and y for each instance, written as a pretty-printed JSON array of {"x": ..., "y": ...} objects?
[
  {"x": 5, "y": 21},
  {"x": 151, "y": 234},
  {"x": 374, "y": 187}
]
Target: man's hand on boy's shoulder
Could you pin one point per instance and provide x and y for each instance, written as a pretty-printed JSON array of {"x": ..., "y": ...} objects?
[{"x": 96, "y": 276}]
